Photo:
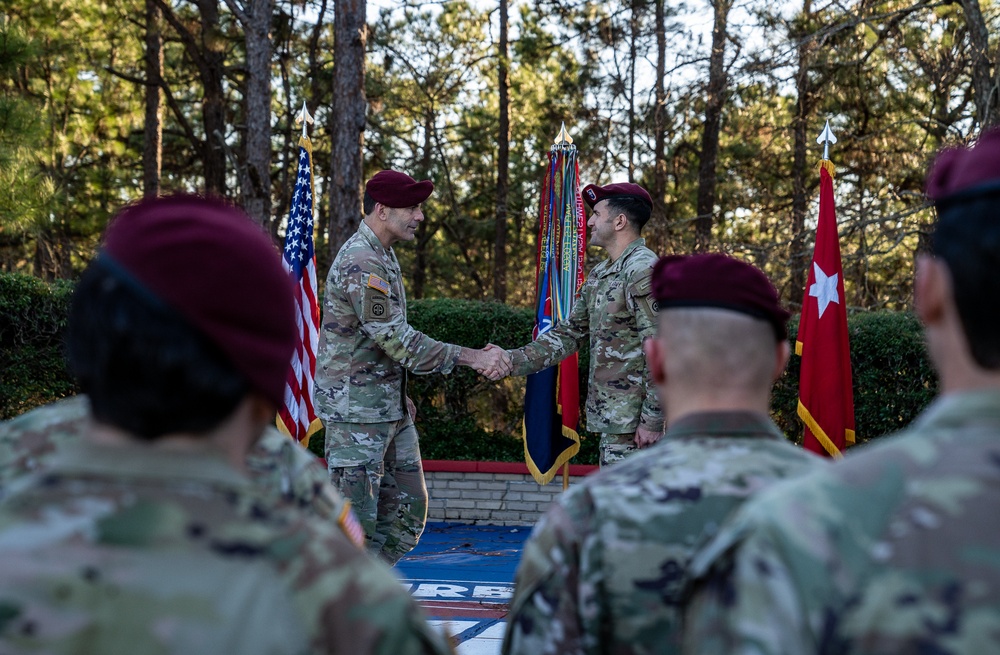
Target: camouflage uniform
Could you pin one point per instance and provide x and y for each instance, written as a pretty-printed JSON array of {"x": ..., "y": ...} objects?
[
  {"x": 616, "y": 309},
  {"x": 127, "y": 549},
  {"x": 605, "y": 570},
  {"x": 895, "y": 549},
  {"x": 366, "y": 347},
  {"x": 283, "y": 471}
]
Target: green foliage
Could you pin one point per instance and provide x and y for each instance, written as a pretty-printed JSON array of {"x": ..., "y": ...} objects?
[
  {"x": 32, "y": 319},
  {"x": 893, "y": 379},
  {"x": 463, "y": 415}
]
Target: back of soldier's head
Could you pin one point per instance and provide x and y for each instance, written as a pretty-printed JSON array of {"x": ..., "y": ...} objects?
[
  {"x": 184, "y": 312},
  {"x": 719, "y": 319},
  {"x": 965, "y": 184}
]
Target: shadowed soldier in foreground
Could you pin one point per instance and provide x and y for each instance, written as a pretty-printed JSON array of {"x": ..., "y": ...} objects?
[
  {"x": 146, "y": 535},
  {"x": 896, "y": 548},
  {"x": 282, "y": 470},
  {"x": 606, "y": 569}
]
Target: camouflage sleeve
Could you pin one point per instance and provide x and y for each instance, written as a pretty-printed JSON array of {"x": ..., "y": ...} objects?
[
  {"x": 557, "y": 344},
  {"x": 354, "y": 604},
  {"x": 285, "y": 470},
  {"x": 748, "y": 602},
  {"x": 383, "y": 319},
  {"x": 640, "y": 298},
  {"x": 546, "y": 615},
  {"x": 756, "y": 590}
]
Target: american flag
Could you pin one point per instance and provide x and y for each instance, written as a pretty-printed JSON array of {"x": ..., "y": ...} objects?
[{"x": 297, "y": 418}]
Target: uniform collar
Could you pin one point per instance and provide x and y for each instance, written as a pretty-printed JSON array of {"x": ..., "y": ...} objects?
[
  {"x": 738, "y": 423},
  {"x": 146, "y": 462},
  {"x": 369, "y": 235},
  {"x": 618, "y": 264}
]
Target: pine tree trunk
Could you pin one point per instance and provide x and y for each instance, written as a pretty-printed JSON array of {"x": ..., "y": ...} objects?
[
  {"x": 256, "y": 185},
  {"x": 214, "y": 103},
  {"x": 986, "y": 88},
  {"x": 659, "y": 120},
  {"x": 632, "y": 55},
  {"x": 152, "y": 145},
  {"x": 348, "y": 112},
  {"x": 714, "y": 101},
  {"x": 799, "y": 257},
  {"x": 503, "y": 165}
]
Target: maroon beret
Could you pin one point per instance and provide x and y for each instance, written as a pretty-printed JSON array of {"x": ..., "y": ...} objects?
[
  {"x": 958, "y": 169},
  {"x": 395, "y": 189},
  {"x": 214, "y": 266},
  {"x": 716, "y": 280},
  {"x": 593, "y": 194}
]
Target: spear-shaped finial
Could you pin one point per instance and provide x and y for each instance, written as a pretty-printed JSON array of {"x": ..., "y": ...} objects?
[
  {"x": 305, "y": 118},
  {"x": 564, "y": 139},
  {"x": 826, "y": 137}
]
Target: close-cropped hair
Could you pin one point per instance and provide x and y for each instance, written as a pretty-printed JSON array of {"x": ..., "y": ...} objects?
[
  {"x": 710, "y": 348},
  {"x": 146, "y": 370},
  {"x": 368, "y": 203},
  {"x": 636, "y": 211},
  {"x": 967, "y": 240}
]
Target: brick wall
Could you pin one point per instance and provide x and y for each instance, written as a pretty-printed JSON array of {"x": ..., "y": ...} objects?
[{"x": 490, "y": 493}]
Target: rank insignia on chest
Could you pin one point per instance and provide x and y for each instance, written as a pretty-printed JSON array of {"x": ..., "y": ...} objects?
[{"x": 377, "y": 283}]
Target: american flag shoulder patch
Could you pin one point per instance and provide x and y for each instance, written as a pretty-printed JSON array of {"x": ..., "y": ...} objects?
[
  {"x": 375, "y": 282},
  {"x": 348, "y": 522}
]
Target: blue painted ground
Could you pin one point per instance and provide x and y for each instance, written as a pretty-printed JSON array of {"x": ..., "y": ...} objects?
[{"x": 463, "y": 576}]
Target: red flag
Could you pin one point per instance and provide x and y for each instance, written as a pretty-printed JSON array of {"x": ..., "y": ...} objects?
[
  {"x": 297, "y": 418},
  {"x": 826, "y": 400}
]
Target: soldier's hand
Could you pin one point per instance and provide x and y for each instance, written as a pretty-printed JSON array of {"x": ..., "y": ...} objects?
[
  {"x": 411, "y": 409},
  {"x": 644, "y": 437},
  {"x": 499, "y": 361}
]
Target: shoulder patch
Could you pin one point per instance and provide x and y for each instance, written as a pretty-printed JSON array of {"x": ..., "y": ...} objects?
[
  {"x": 376, "y": 307},
  {"x": 377, "y": 283},
  {"x": 642, "y": 284}
]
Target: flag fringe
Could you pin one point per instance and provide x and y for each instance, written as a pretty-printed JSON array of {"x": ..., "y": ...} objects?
[
  {"x": 545, "y": 477},
  {"x": 819, "y": 434}
]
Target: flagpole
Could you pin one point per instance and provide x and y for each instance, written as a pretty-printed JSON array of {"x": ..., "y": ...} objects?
[
  {"x": 826, "y": 137},
  {"x": 564, "y": 142},
  {"x": 551, "y": 399},
  {"x": 306, "y": 119},
  {"x": 826, "y": 399},
  {"x": 296, "y": 417}
]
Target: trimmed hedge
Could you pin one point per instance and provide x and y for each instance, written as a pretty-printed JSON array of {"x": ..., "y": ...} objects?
[
  {"x": 463, "y": 415},
  {"x": 32, "y": 362}
]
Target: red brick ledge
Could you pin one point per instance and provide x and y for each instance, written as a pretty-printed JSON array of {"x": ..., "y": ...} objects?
[{"x": 458, "y": 466}]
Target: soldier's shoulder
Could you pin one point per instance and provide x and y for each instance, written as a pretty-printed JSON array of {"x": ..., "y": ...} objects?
[
  {"x": 286, "y": 469},
  {"x": 67, "y": 413},
  {"x": 643, "y": 257},
  {"x": 355, "y": 249},
  {"x": 28, "y": 439}
]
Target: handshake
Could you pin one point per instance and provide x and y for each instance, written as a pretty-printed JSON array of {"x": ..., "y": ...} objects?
[{"x": 492, "y": 361}]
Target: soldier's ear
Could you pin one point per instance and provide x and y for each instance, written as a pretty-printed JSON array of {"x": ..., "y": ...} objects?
[
  {"x": 782, "y": 353},
  {"x": 930, "y": 289},
  {"x": 654, "y": 360}
]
